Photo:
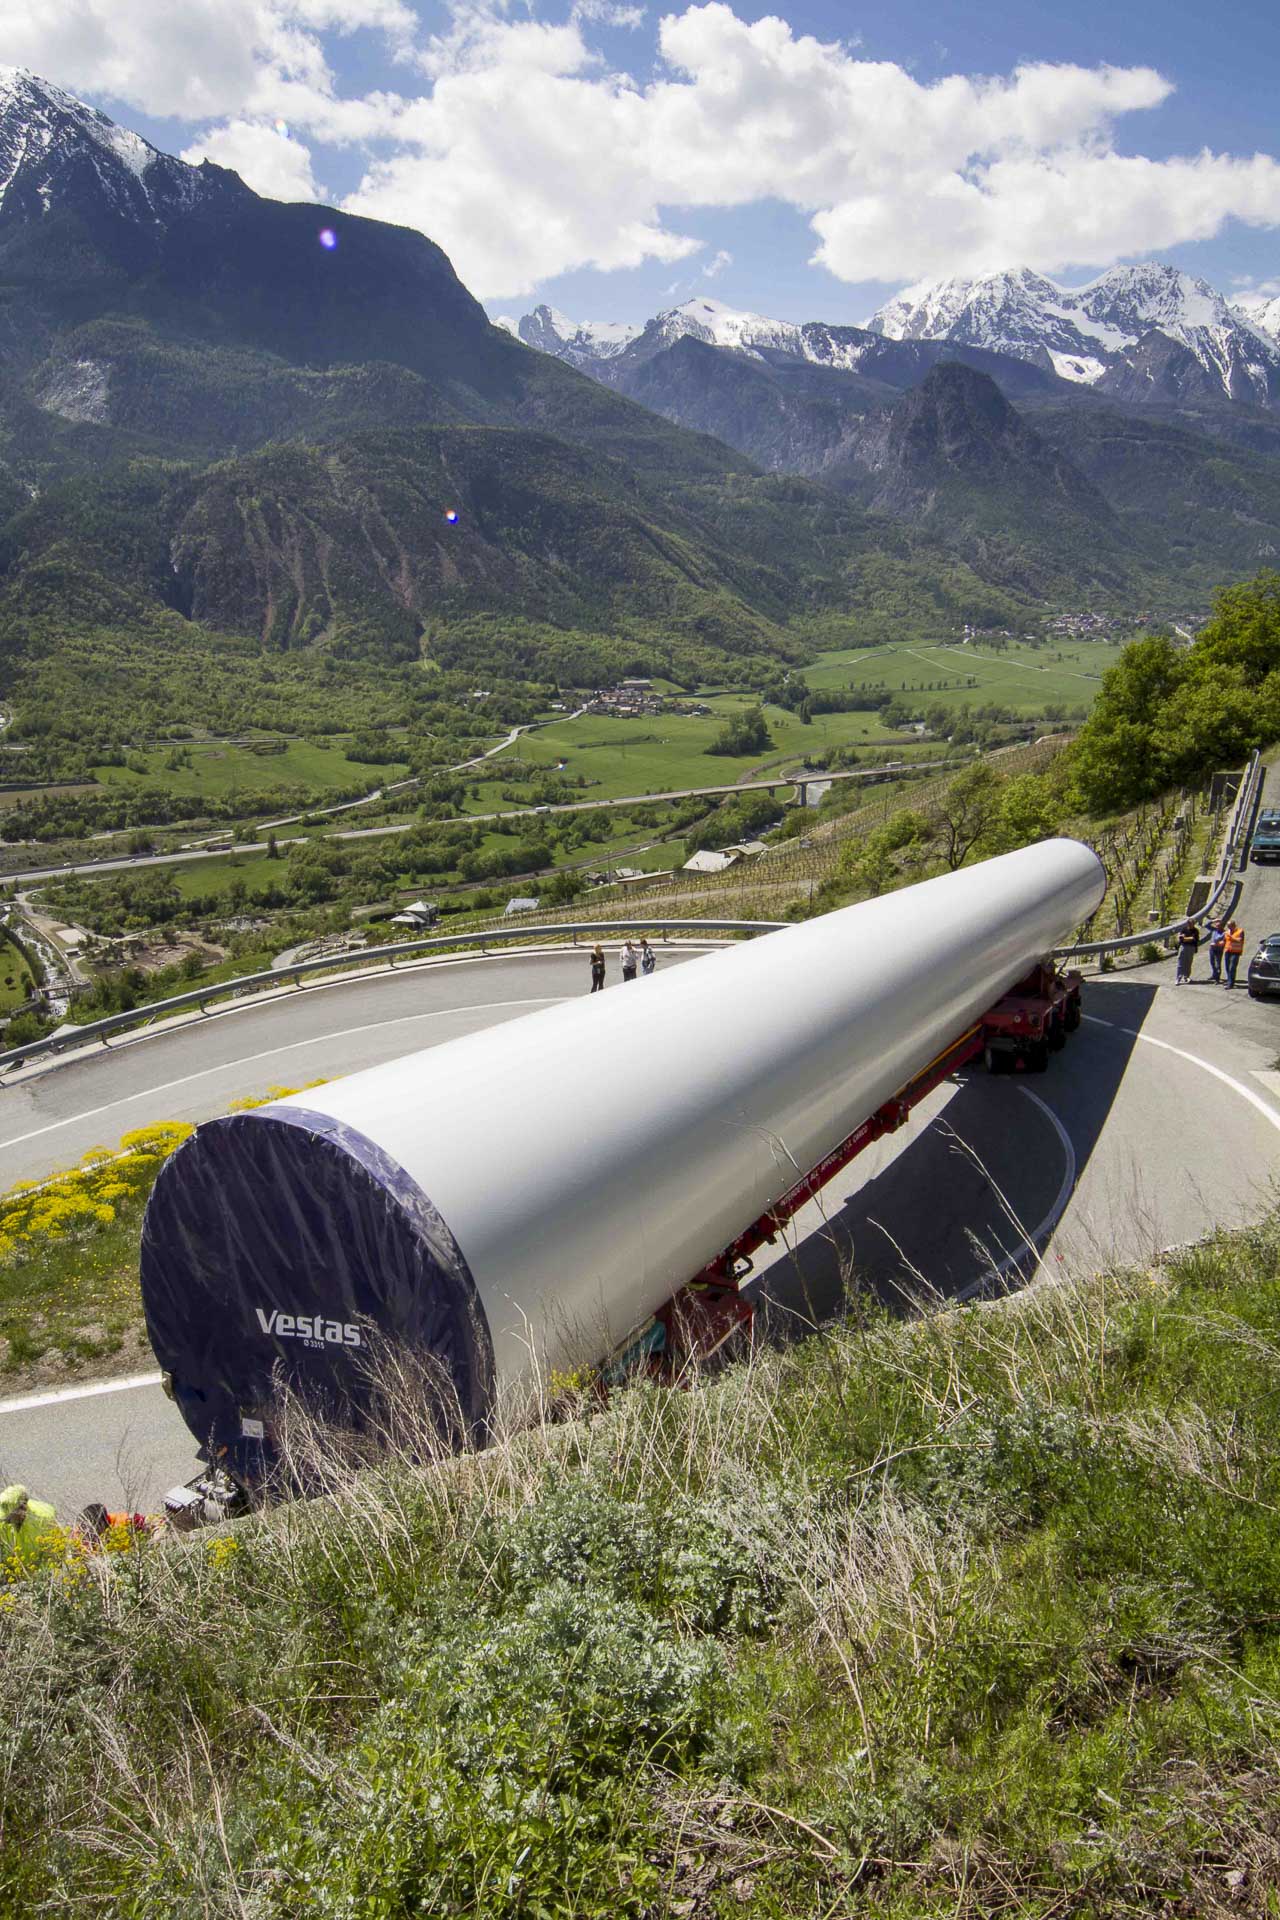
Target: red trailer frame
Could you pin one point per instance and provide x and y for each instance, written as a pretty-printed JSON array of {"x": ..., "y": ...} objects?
[{"x": 1018, "y": 1034}]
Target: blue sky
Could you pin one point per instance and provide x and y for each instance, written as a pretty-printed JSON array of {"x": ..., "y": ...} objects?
[{"x": 612, "y": 159}]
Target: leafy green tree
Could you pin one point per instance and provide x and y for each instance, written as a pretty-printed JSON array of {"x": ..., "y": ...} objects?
[
  {"x": 879, "y": 859},
  {"x": 746, "y": 733},
  {"x": 965, "y": 818},
  {"x": 1030, "y": 809}
]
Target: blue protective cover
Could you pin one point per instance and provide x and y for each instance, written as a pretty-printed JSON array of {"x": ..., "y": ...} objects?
[{"x": 282, "y": 1247}]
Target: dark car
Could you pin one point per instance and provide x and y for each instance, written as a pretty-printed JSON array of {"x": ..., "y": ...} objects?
[
  {"x": 1264, "y": 968},
  {"x": 1265, "y": 844}
]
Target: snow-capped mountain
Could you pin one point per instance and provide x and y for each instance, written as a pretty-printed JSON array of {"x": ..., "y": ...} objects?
[
  {"x": 57, "y": 153},
  {"x": 1145, "y": 333},
  {"x": 1099, "y": 334},
  {"x": 1263, "y": 314},
  {"x": 588, "y": 343},
  {"x": 580, "y": 342}
]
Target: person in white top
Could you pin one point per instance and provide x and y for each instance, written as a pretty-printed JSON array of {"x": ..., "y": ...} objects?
[{"x": 629, "y": 961}]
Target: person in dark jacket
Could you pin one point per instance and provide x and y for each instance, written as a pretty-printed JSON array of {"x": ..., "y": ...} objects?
[
  {"x": 1188, "y": 942},
  {"x": 597, "y": 969},
  {"x": 1217, "y": 935}
]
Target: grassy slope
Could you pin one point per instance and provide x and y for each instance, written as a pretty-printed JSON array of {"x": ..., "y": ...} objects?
[{"x": 965, "y": 1616}]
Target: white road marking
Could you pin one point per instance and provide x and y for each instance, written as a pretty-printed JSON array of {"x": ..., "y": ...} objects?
[
  {"x": 29, "y": 1401},
  {"x": 280, "y": 996},
  {"x": 251, "y": 1059},
  {"x": 1266, "y": 1078},
  {"x": 1255, "y": 1100},
  {"x": 1036, "y": 1238}
]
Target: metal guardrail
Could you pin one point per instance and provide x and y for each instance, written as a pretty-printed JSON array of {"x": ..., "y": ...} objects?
[
  {"x": 154, "y": 1010},
  {"x": 148, "y": 1014},
  {"x": 1237, "y": 843}
]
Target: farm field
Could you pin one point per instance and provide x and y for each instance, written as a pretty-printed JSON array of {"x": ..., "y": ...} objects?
[
  {"x": 1025, "y": 679},
  {"x": 221, "y": 767},
  {"x": 668, "y": 752}
]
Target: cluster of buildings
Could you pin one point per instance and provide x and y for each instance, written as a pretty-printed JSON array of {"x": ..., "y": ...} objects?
[
  {"x": 628, "y": 700},
  {"x": 1107, "y": 626}
]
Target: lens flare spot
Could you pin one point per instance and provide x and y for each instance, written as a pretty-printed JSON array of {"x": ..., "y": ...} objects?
[
  {"x": 451, "y": 515},
  {"x": 282, "y": 128},
  {"x": 328, "y": 239}
]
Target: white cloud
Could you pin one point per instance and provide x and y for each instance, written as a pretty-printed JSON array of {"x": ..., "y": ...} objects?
[
  {"x": 270, "y": 161},
  {"x": 194, "y": 59},
  {"x": 717, "y": 265},
  {"x": 520, "y": 150},
  {"x": 529, "y": 158}
]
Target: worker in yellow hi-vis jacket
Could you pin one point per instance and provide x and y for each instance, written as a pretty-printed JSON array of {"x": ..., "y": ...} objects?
[{"x": 24, "y": 1524}]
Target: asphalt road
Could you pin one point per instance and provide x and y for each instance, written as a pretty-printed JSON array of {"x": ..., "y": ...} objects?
[{"x": 1160, "y": 1120}]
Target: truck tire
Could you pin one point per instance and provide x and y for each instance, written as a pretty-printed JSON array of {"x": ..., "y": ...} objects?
[
  {"x": 1072, "y": 1015},
  {"x": 1036, "y": 1056},
  {"x": 1057, "y": 1034},
  {"x": 992, "y": 1059}
]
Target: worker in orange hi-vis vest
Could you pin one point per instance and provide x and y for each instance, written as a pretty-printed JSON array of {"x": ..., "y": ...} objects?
[{"x": 1232, "y": 948}]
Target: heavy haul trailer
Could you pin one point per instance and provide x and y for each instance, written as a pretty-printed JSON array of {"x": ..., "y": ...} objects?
[
  {"x": 522, "y": 1199},
  {"x": 1016, "y": 1035}
]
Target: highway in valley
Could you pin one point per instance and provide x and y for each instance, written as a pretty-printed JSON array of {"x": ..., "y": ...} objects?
[
  {"x": 228, "y": 847},
  {"x": 1159, "y": 1121}
]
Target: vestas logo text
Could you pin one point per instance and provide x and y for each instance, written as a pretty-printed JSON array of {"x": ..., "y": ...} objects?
[{"x": 309, "y": 1326}]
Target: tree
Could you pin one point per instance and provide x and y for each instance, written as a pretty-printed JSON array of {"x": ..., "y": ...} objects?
[
  {"x": 273, "y": 847},
  {"x": 966, "y": 814},
  {"x": 875, "y": 860},
  {"x": 747, "y": 733},
  {"x": 1030, "y": 810}
]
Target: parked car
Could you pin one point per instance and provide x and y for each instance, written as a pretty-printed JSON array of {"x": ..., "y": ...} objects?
[
  {"x": 1264, "y": 968},
  {"x": 1265, "y": 844}
]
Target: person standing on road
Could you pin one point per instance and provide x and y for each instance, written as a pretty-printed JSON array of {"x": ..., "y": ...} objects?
[
  {"x": 1232, "y": 948},
  {"x": 1188, "y": 941},
  {"x": 1217, "y": 937},
  {"x": 597, "y": 969},
  {"x": 629, "y": 961},
  {"x": 648, "y": 959}
]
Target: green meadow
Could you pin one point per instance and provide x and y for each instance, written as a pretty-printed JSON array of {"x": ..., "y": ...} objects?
[
  {"x": 219, "y": 767},
  {"x": 1023, "y": 678}
]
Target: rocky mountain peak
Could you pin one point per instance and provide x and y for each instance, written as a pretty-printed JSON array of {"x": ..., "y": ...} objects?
[
  {"x": 580, "y": 342},
  {"x": 1091, "y": 334},
  {"x": 57, "y": 153}
]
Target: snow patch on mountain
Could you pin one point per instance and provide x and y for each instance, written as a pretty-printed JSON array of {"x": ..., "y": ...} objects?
[
  {"x": 722, "y": 326},
  {"x": 1263, "y": 313},
  {"x": 1079, "y": 367}
]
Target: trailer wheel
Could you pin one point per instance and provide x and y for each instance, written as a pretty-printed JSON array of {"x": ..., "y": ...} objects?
[
  {"x": 1036, "y": 1056},
  {"x": 1057, "y": 1034},
  {"x": 1072, "y": 1016},
  {"x": 993, "y": 1061}
]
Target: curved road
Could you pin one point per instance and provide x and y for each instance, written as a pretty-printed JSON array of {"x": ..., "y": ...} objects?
[{"x": 1160, "y": 1120}]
